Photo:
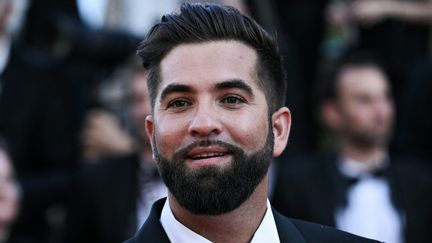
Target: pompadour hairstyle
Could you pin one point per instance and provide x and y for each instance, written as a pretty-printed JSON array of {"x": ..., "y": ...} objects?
[{"x": 196, "y": 23}]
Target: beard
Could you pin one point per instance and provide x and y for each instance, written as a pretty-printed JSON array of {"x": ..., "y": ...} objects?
[
  {"x": 369, "y": 139},
  {"x": 215, "y": 190}
]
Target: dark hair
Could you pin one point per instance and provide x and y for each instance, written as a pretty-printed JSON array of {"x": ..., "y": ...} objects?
[
  {"x": 327, "y": 88},
  {"x": 197, "y": 23}
]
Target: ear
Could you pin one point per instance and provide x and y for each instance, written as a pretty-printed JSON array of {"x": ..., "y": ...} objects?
[
  {"x": 149, "y": 128},
  {"x": 330, "y": 115},
  {"x": 281, "y": 123}
]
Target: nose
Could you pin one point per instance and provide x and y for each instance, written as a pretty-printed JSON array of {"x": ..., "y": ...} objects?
[{"x": 205, "y": 123}]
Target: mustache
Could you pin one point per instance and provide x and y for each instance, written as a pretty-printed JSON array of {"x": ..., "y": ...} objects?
[{"x": 182, "y": 153}]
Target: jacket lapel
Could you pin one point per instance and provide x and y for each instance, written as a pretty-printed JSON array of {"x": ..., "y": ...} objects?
[
  {"x": 288, "y": 233},
  {"x": 152, "y": 230}
]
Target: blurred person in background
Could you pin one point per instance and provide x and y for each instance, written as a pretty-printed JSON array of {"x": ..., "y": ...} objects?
[
  {"x": 134, "y": 16},
  {"x": 396, "y": 30},
  {"x": 24, "y": 119},
  {"x": 47, "y": 88},
  {"x": 299, "y": 26},
  {"x": 312, "y": 34},
  {"x": 119, "y": 181},
  {"x": 12, "y": 15},
  {"x": 9, "y": 194},
  {"x": 399, "y": 32},
  {"x": 360, "y": 188}
]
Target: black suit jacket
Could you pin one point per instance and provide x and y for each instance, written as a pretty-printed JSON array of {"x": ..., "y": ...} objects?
[
  {"x": 104, "y": 206},
  {"x": 311, "y": 188},
  {"x": 33, "y": 121},
  {"x": 289, "y": 230}
]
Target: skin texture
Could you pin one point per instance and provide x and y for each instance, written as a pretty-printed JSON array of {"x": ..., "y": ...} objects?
[
  {"x": 363, "y": 113},
  {"x": 209, "y": 91},
  {"x": 9, "y": 199},
  {"x": 141, "y": 107}
]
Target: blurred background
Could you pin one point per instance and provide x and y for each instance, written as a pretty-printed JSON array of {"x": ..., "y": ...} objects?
[{"x": 73, "y": 100}]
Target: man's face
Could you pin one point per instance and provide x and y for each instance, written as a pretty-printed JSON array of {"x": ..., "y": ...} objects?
[
  {"x": 365, "y": 105},
  {"x": 210, "y": 128},
  {"x": 141, "y": 107}
]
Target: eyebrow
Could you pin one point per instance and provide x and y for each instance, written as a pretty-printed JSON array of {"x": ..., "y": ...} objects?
[
  {"x": 173, "y": 88},
  {"x": 236, "y": 84},
  {"x": 229, "y": 84}
]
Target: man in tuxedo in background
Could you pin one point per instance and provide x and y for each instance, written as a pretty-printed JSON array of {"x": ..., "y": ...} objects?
[
  {"x": 217, "y": 88},
  {"x": 118, "y": 181},
  {"x": 28, "y": 100},
  {"x": 361, "y": 189}
]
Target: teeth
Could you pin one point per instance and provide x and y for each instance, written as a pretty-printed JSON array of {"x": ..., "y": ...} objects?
[{"x": 206, "y": 155}]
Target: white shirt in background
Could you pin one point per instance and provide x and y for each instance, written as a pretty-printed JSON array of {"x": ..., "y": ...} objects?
[{"x": 369, "y": 211}]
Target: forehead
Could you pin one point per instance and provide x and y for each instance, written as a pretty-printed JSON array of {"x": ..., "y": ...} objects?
[
  {"x": 362, "y": 80},
  {"x": 208, "y": 63}
]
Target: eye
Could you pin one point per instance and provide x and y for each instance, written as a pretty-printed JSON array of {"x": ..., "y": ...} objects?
[
  {"x": 233, "y": 99},
  {"x": 179, "y": 104}
]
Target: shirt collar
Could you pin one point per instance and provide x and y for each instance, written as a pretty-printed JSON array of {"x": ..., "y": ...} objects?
[
  {"x": 267, "y": 231},
  {"x": 355, "y": 169},
  {"x": 177, "y": 232}
]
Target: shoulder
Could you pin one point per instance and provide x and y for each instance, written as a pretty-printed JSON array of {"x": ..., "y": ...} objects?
[
  {"x": 294, "y": 230},
  {"x": 152, "y": 230},
  {"x": 410, "y": 172},
  {"x": 320, "y": 233},
  {"x": 303, "y": 172}
]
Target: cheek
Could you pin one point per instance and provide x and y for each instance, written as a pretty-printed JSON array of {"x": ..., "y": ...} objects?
[
  {"x": 389, "y": 113},
  {"x": 358, "y": 115},
  {"x": 169, "y": 135},
  {"x": 248, "y": 131},
  {"x": 360, "y": 118}
]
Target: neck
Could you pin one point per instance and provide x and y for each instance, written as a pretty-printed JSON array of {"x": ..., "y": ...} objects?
[
  {"x": 238, "y": 225},
  {"x": 372, "y": 157}
]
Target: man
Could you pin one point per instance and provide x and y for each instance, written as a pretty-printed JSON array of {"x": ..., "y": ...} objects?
[
  {"x": 362, "y": 189},
  {"x": 217, "y": 89},
  {"x": 119, "y": 182},
  {"x": 9, "y": 194},
  {"x": 28, "y": 99}
]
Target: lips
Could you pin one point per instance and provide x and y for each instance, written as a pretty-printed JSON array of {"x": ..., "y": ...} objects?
[
  {"x": 208, "y": 155},
  {"x": 206, "y": 152}
]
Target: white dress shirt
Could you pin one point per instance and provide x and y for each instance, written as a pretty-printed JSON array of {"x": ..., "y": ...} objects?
[
  {"x": 178, "y": 233},
  {"x": 369, "y": 211}
]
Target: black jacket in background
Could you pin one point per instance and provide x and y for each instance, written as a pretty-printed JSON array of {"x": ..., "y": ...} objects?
[{"x": 311, "y": 188}]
